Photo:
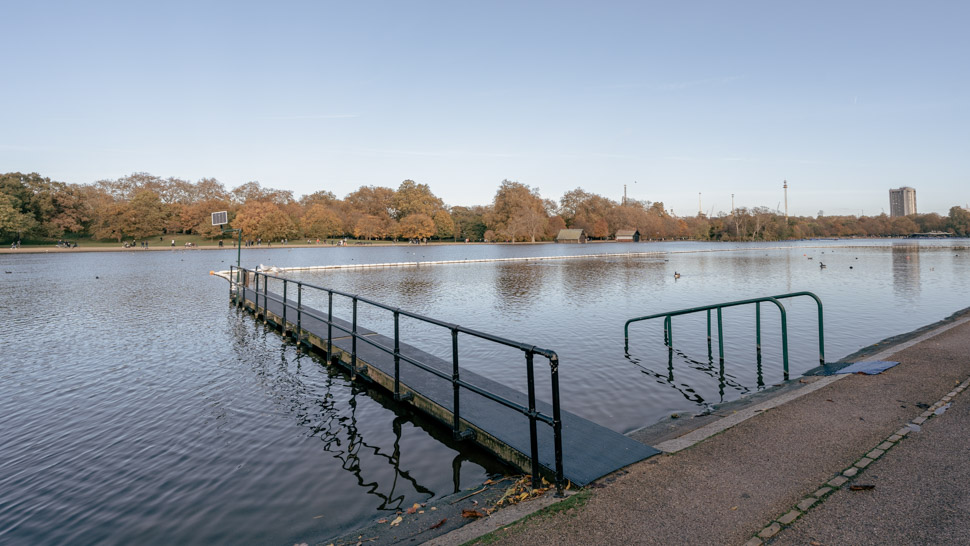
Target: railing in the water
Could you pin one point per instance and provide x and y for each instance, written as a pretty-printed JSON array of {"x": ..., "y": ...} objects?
[
  {"x": 242, "y": 277},
  {"x": 669, "y": 333}
]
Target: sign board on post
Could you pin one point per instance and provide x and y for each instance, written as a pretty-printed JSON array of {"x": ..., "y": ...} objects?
[{"x": 220, "y": 218}]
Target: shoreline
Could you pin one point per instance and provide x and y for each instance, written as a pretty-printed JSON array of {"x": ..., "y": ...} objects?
[
  {"x": 52, "y": 248},
  {"x": 737, "y": 424},
  {"x": 32, "y": 249}
]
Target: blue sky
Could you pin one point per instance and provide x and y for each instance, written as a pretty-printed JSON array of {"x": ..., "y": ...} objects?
[{"x": 843, "y": 99}]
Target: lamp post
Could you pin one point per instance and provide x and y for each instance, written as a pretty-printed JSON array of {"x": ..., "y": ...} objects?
[
  {"x": 238, "y": 244},
  {"x": 222, "y": 218}
]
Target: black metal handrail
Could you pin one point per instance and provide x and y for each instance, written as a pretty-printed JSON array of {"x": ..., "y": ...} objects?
[
  {"x": 554, "y": 421},
  {"x": 669, "y": 334}
]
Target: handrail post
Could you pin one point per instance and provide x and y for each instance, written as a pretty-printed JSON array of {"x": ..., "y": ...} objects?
[
  {"x": 669, "y": 332},
  {"x": 456, "y": 414},
  {"x": 299, "y": 314},
  {"x": 284, "y": 308},
  {"x": 397, "y": 355},
  {"x": 708, "y": 328},
  {"x": 784, "y": 332},
  {"x": 821, "y": 335},
  {"x": 265, "y": 297},
  {"x": 330, "y": 326},
  {"x": 256, "y": 296},
  {"x": 784, "y": 338},
  {"x": 353, "y": 342},
  {"x": 757, "y": 318},
  {"x": 533, "y": 433},
  {"x": 720, "y": 336},
  {"x": 557, "y": 423}
]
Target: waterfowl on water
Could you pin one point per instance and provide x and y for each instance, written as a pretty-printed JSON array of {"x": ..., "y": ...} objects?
[
  {"x": 676, "y": 275},
  {"x": 821, "y": 265}
]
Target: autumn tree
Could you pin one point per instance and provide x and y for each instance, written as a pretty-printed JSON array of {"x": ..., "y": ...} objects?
[
  {"x": 367, "y": 227},
  {"x": 253, "y": 191},
  {"x": 373, "y": 200},
  {"x": 469, "y": 222},
  {"x": 13, "y": 223},
  {"x": 143, "y": 216},
  {"x": 588, "y": 211},
  {"x": 319, "y": 221},
  {"x": 443, "y": 224},
  {"x": 57, "y": 207},
  {"x": 321, "y": 197},
  {"x": 265, "y": 220},
  {"x": 516, "y": 211},
  {"x": 958, "y": 220},
  {"x": 554, "y": 226},
  {"x": 413, "y": 198},
  {"x": 528, "y": 222},
  {"x": 416, "y": 226}
]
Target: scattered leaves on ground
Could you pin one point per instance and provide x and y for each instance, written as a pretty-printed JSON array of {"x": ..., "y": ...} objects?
[
  {"x": 413, "y": 508},
  {"x": 439, "y": 524},
  {"x": 521, "y": 490},
  {"x": 466, "y": 513},
  {"x": 397, "y": 521}
]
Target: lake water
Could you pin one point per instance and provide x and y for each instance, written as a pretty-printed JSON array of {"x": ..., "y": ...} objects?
[{"x": 139, "y": 406}]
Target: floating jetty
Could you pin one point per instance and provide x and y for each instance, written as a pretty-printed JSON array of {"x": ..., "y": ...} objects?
[{"x": 527, "y": 433}]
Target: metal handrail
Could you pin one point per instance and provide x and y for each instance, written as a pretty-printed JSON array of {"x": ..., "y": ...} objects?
[
  {"x": 668, "y": 324},
  {"x": 554, "y": 421}
]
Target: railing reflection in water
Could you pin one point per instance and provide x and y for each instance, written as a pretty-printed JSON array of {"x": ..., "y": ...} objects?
[
  {"x": 242, "y": 279},
  {"x": 329, "y": 411},
  {"x": 668, "y": 334}
]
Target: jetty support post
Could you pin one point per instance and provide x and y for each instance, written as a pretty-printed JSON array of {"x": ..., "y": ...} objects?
[{"x": 533, "y": 433}]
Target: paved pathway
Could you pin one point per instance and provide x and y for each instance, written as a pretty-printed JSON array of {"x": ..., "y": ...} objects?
[{"x": 750, "y": 480}]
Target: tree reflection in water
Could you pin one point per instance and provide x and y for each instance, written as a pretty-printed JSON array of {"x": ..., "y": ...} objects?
[{"x": 330, "y": 411}]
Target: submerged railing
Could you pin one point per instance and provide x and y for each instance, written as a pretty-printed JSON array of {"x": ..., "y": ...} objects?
[
  {"x": 669, "y": 332},
  {"x": 241, "y": 278}
]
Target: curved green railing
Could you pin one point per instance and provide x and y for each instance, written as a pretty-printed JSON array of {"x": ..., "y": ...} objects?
[{"x": 669, "y": 333}]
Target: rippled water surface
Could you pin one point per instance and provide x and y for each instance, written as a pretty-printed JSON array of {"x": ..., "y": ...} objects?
[{"x": 139, "y": 406}]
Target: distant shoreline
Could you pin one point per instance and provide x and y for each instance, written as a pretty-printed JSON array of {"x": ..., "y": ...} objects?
[{"x": 47, "y": 249}]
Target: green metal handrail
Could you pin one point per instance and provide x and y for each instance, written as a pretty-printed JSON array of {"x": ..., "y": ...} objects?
[
  {"x": 531, "y": 412},
  {"x": 669, "y": 335}
]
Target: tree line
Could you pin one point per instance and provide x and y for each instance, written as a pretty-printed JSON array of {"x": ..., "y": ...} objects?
[{"x": 141, "y": 205}]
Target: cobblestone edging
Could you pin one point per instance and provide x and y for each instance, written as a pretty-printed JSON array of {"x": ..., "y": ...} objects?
[{"x": 842, "y": 478}]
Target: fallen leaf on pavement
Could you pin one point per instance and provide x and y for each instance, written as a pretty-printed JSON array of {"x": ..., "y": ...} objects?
[
  {"x": 466, "y": 513},
  {"x": 439, "y": 524},
  {"x": 397, "y": 521},
  {"x": 414, "y": 508},
  {"x": 861, "y": 487}
]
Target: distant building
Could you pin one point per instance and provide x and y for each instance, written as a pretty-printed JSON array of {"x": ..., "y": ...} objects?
[
  {"x": 571, "y": 236},
  {"x": 627, "y": 236},
  {"x": 902, "y": 201}
]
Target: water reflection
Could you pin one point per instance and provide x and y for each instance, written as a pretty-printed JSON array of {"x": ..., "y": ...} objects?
[
  {"x": 332, "y": 411},
  {"x": 905, "y": 266},
  {"x": 724, "y": 380},
  {"x": 413, "y": 289},
  {"x": 517, "y": 285}
]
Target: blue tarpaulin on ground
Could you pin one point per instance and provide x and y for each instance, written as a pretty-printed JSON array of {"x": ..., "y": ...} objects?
[{"x": 871, "y": 367}]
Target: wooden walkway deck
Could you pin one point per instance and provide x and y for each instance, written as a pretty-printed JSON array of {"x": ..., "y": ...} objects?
[{"x": 590, "y": 451}]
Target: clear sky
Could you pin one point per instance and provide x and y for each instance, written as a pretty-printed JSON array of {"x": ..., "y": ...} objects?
[{"x": 843, "y": 99}]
